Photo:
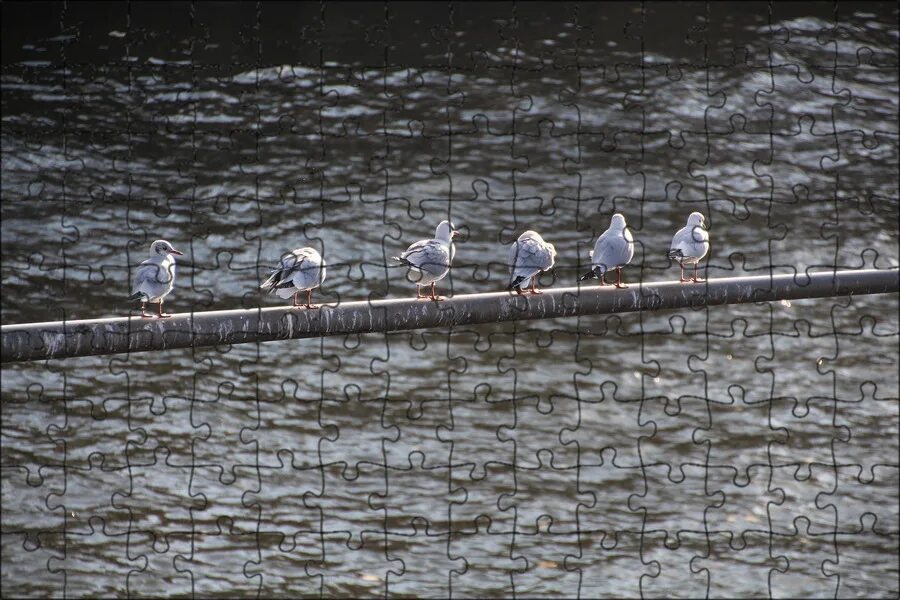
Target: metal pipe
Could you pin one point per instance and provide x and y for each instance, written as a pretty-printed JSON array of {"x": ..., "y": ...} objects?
[{"x": 63, "y": 339}]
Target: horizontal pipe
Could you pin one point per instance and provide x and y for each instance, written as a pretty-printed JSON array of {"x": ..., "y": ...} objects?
[{"x": 63, "y": 339}]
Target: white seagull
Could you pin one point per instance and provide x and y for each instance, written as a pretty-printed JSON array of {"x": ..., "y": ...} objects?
[
  {"x": 690, "y": 244},
  {"x": 300, "y": 270},
  {"x": 155, "y": 278},
  {"x": 528, "y": 256},
  {"x": 431, "y": 259},
  {"x": 613, "y": 250}
]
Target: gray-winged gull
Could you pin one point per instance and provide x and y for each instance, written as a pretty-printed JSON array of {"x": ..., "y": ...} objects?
[
  {"x": 301, "y": 270},
  {"x": 430, "y": 259},
  {"x": 528, "y": 256},
  {"x": 690, "y": 244},
  {"x": 613, "y": 250},
  {"x": 155, "y": 278}
]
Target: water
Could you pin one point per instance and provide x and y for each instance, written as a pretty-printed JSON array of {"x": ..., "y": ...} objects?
[{"x": 735, "y": 450}]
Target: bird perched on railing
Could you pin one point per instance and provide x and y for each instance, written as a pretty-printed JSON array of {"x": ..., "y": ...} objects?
[
  {"x": 301, "y": 270},
  {"x": 155, "y": 278},
  {"x": 613, "y": 250},
  {"x": 690, "y": 245},
  {"x": 430, "y": 259},
  {"x": 528, "y": 257}
]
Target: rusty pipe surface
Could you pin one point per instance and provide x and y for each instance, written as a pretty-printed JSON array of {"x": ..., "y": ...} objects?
[{"x": 64, "y": 339}]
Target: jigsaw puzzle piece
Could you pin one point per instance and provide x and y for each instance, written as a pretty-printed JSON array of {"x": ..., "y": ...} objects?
[
  {"x": 805, "y": 554},
  {"x": 480, "y": 510},
  {"x": 546, "y": 551},
  {"x": 35, "y": 401},
  {"x": 363, "y": 567},
  {"x": 93, "y": 493},
  {"x": 96, "y": 551},
  {"x": 747, "y": 505},
  {"x": 25, "y": 559},
  {"x": 859, "y": 576},
  {"x": 751, "y": 552},
  {"x": 427, "y": 569},
  {"x": 413, "y": 508},
  {"x": 854, "y": 499},
  {"x": 679, "y": 576},
  {"x": 217, "y": 560},
  {"x": 489, "y": 565},
  {"x": 612, "y": 571},
  {"x": 800, "y": 499},
  {"x": 690, "y": 495},
  {"x": 608, "y": 392},
  {"x": 606, "y": 516},
  {"x": 545, "y": 498},
  {"x": 159, "y": 551}
]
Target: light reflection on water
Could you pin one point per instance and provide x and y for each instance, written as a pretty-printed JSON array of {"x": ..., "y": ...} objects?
[{"x": 545, "y": 457}]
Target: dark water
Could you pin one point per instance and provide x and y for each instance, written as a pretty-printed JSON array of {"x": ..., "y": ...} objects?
[{"x": 736, "y": 451}]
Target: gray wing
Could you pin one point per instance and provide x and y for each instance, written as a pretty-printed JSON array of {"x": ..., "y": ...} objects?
[
  {"x": 691, "y": 242},
  {"x": 612, "y": 250},
  {"x": 430, "y": 256},
  {"x": 528, "y": 256},
  {"x": 302, "y": 268},
  {"x": 152, "y": 279}
]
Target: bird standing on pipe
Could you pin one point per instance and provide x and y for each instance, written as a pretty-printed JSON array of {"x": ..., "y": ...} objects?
[
  {"x": 528, "y": 256},
  {"x": 613, "y": 250},
  {"x": 301, "y": 270},
  {"x": 690, "y": 245},
  {"x": 155, "y": 278},
  {"x": 430, "y": 259}
]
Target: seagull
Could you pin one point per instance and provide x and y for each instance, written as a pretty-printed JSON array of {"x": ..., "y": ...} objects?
[
  {"x": 614, "y": 249},
  {"x": 299, "y": 270},
  {"x": 155, "y": 278},
  {"x": 690, "y": 244},
  {"x": 528, "y": 256},
  {"x": 431, "y": 258}
]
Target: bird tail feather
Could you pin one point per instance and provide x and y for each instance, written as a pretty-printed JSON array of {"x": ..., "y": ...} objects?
[
  {"x": 137, "y": 296},
  {"x": 515, "y": 282},
  {"x": 269, "y": 284},
  {"x": 592, "y": 274},
  {"x": 675, "y": 254}
]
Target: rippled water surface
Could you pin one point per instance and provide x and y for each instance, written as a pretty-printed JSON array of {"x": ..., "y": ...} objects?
[{"x": 748, "y": 450}]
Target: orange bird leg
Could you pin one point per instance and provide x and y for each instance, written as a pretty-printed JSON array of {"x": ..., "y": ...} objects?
[
  {"x": 695, "y": 279},
  {"x": 160, "y": 312}
]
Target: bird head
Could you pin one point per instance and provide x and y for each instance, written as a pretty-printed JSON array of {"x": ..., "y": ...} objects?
[{"x": 162, "y": 247}]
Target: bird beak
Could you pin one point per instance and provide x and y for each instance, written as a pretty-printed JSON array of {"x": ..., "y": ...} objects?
[
  {"x": 174, "y": 251},
  {"x": 455, "y": 234}
]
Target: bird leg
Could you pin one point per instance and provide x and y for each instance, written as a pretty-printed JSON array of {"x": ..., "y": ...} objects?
[
  {"x": 619, "y": 283},
  {"x": 682, "y": 279},
  {"x": 419, "y": 295},
  {"x": 294, "y": 302},
  {"x": 159, "y": 311},
  {"x": 534, "y": 290},
  {"x": 434, "y": 296},
  {"x": 694, "y": 278},
  {"x": 519, "y": 291},
  {"x": 144, "y": 313},
  {"x": 603, "y": 278},
  {"x": 309, "y": 303}
]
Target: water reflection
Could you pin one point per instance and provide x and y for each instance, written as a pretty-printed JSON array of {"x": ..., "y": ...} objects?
[{"x": 468, "y": 461}]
